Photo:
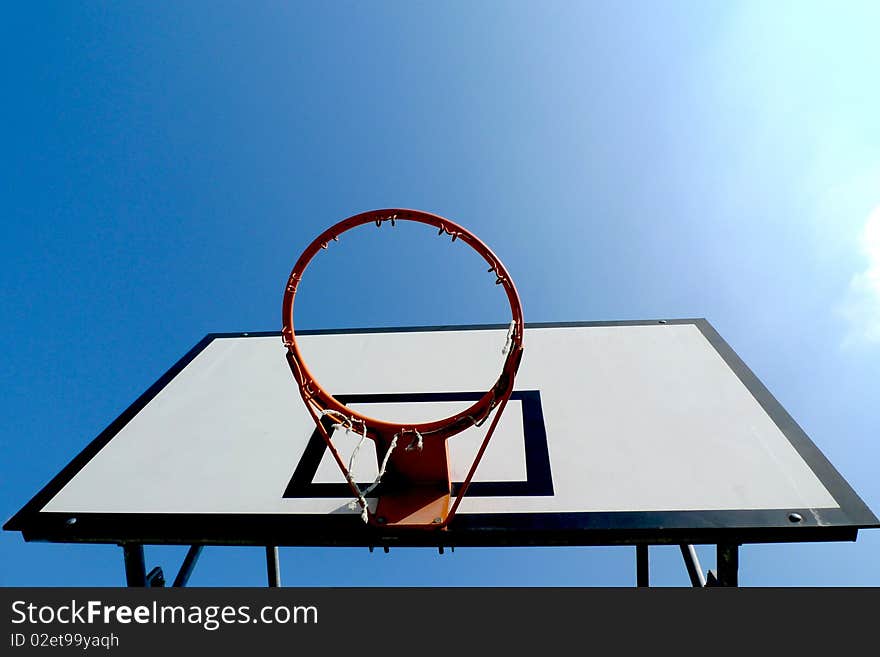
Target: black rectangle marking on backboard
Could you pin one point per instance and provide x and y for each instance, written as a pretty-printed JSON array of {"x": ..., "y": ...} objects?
[{"x": 538, "y": 482}]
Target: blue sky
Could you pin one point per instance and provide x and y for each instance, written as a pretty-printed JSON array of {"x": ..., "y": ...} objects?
[{"x": 164, "y": 164}]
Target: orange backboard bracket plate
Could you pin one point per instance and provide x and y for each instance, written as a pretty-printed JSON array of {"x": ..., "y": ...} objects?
[{"x": 416, "y": 489}]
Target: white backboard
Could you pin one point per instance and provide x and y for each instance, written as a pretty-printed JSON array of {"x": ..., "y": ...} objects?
[{"x": 616, "y": 432}]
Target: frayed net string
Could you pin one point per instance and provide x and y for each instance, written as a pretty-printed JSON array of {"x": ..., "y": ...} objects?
[
  {"x": 345, "y": 423},
  {"x": 418, "y": 443},
  {"x": 381, "y": 474},
  {"x": 508, "y": 343}
]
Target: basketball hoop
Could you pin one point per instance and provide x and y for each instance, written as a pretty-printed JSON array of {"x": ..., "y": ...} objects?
[{"x": 413, "y": 485}]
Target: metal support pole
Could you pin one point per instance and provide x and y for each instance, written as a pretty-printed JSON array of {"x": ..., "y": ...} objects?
[
  {"x": 135, "y": 570},
  {"x": 692, "y": 563},
  {"x": 273, "y": 569},
  {"x": 642, "y": 577},
  {"x": 728, "y": 564},
  {"x": 186, "y": 568}
]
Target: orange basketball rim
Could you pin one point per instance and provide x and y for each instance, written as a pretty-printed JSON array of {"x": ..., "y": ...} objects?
[{"x": 413, "y": 486}]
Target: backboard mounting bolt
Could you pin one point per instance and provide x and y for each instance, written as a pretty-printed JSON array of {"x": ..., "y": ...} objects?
[
  {"x": 795, "y": 517},
  {"x": 662, "y": 321},
  {"x": 70, "y": 521},
  {"x": 437, "y": 521}
]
